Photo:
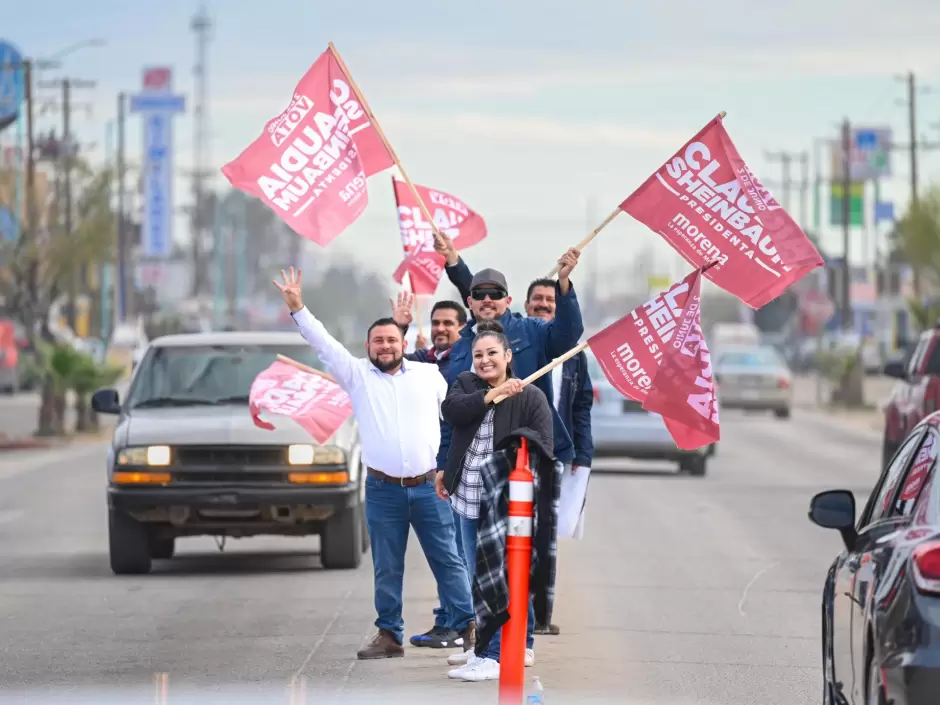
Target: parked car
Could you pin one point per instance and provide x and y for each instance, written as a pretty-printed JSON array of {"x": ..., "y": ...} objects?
[
  {"x": 917, "y": 392},
  {"x": 753, "y": 378},
  {"x": 622, "y": 428},
  {"x": 881, "y": 597},
  {"x": 187, "y": 459}
]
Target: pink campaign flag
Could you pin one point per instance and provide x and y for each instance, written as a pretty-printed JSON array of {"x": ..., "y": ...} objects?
[
  {"x": 709, "y": 205},
  {"x": 657, "y": 355},
  {"x": 311, "y": 162},
  {"x": 452, "y": 217},
  {"x": 314, "y": 401}
]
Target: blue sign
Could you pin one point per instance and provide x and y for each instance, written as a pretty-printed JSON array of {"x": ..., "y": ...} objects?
[
  {"x": 11, "y": 84},
  {"x": 157, "y": 107},
  {"x": 867, "y": 140},
  {"x": 157, "y": 233},
  {"x": 157, "y": 102},
  {"x": 8, "y": 229},
  {"x": 884, "y": 211}
]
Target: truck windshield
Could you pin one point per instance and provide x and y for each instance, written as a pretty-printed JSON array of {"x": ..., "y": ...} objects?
[{"x": 200, "y": 375}]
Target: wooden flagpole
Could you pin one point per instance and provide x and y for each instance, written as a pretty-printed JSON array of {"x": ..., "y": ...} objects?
[
  {"x": 388, "y": 145},
  {"x": 548, "y": 368},
  {"x": 607, "y": 221},
  {"x": 304, "y": 368},
  {"x": 410, "y": 281}
]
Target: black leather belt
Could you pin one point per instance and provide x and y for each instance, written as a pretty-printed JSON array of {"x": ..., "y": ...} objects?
[{"x": 403, "y": 481}]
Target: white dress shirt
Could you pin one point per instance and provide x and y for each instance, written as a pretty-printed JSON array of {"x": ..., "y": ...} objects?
[{"x": 398, "y": 414}]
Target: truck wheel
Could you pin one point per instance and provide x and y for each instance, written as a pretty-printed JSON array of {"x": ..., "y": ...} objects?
[
  {"x": 162, "y": 548},
  {"x": 341, "y": 540},
  {"x": 782, "y": 413},
  {"x": 128, "y": 544},
  {"x": 694, "y": 465}
]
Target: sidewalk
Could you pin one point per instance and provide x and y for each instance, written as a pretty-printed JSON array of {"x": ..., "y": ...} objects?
[
  {"x": 19, "y": 415},
  {"x": 812, "y": 393}
]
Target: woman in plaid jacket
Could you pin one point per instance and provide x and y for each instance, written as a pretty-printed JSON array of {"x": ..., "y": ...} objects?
[{"x": 480, "y": 426}]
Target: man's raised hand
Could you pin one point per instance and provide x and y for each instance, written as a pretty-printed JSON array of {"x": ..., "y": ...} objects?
[
  {"x": 291, "y": 289},
  {"x": 444, "y": 246},
  {"x": 401, "y": 309}
]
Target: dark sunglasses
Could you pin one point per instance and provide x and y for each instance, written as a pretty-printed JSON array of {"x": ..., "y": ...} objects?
[{"x": 494, "y": 294}]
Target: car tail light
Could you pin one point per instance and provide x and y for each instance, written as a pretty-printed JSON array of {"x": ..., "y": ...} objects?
[
  {"x": 783, "y": 383},
  {"x": 597, "y": 395},
  {"x": 926, "y": 560}
]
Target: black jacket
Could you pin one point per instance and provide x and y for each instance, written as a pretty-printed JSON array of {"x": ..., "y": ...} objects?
[
  {"x": 490, "y": 578},
  {"x": 464, "y": 410},
  {"x": 574, "y": 408}
]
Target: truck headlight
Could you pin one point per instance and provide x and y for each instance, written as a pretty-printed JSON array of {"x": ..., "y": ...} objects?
[
  {"x": 154, "y": 456},
  {"x": 306, "y": 454}
]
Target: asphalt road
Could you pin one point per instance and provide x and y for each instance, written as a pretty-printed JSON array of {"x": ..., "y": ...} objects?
[{"x": 683, "y": 590}]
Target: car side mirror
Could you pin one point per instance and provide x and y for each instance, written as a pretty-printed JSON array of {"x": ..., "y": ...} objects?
[
  {"x": 835, "y": 509},
  {"x": 895, "y": 369},
  {"x": 106, "y": 401}
]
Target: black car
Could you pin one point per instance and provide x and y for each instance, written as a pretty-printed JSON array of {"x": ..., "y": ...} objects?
[{"x": 881, "y": 600}]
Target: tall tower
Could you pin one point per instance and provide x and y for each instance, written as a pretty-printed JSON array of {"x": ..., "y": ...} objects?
[{"x": 201, "y": 25}]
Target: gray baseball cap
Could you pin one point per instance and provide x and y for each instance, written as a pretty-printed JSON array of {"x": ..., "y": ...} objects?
[{"x": 489, "y": 277}]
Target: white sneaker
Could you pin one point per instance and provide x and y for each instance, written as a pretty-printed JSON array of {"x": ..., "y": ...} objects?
[
  {"x": 461, "y": 658},
  {"x": 529, "y": 657},
  {"x": 457, "y": 673},
  {"x": 480, "y": 669}
]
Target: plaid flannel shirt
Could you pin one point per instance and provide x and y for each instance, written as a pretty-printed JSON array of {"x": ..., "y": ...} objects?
[
  {"x": 466, "y": 500},
  {"x": 490, "y": 581}
]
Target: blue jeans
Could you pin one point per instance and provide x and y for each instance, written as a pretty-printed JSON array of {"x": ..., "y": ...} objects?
[
  {"x": 391, "y": 510},
  {"x": 467, "y": 536}
]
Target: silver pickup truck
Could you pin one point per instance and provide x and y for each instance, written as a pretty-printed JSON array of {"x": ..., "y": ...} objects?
[{"x": 186, "y": 458}]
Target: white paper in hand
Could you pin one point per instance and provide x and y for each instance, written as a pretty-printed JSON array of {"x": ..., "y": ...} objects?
[{"x": 571, "y": 506}]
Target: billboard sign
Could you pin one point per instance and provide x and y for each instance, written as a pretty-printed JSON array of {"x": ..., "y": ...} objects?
[
  {"x": 157, "y": 104},
  {"x": 870, "y": 155},
  {"x": 11, "y": 84},
  {"x": 856, "y": 204}
]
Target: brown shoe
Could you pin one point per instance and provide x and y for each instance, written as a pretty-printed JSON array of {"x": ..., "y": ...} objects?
[
  {"x": 469, "y": 636},
  {"x": 382, "y": 645}
]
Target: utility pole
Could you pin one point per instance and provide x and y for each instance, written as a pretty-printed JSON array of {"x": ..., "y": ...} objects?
[
  {"x": 912, "y": 121},
  {"x": 67, "y": 195},
  {"x": 846, "y": 222},
  {"x": 804, "y": 189},
  {"x": 201, "y": 24},
  {"x": 785, "y": 158},
  {"x": 121, "y": 288},
  {"x": 67, "y": 151}
]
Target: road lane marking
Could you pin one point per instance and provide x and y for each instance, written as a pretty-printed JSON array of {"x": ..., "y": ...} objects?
[
  {"x": 316, "y": 646},
  {"x": 750, "y": 584}
]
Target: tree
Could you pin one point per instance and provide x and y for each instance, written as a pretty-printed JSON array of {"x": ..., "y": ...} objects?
[
  {"x": 41, "y": 262},
  {"x": 917, "y": 236}
]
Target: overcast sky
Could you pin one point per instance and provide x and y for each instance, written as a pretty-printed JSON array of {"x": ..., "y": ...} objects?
[{"x": 526, "y": 110}]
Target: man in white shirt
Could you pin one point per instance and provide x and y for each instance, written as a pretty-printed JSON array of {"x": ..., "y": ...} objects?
[{"x": 396, "y": 403}]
